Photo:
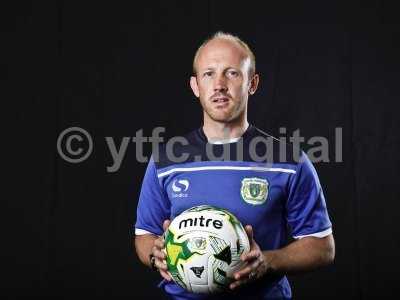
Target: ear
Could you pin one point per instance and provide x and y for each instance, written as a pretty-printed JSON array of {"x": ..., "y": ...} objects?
[
  {"x": 254, "y": 84},
  {"x": 194, "y": 86}
]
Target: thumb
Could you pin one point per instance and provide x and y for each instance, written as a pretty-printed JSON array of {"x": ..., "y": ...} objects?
[
  {"x": 249, "y": 231},
  {"x": 166, "y": 224}
]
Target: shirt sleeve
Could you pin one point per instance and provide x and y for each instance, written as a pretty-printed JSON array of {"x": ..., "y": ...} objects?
[
  {"x": 154, "y": 206},
  {"x": 307, "y": 214}
]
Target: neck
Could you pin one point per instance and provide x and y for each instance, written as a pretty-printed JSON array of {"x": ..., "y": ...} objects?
[{"x": 215, "y": 130}]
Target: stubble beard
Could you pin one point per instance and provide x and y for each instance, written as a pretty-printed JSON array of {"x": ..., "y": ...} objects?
[{"x": 234, "y": 112}]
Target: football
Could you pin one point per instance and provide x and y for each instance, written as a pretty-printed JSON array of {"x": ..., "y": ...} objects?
[{"x": 203, "y": 246}]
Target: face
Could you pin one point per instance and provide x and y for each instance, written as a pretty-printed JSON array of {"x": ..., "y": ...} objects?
[{"x": 222, "y": 80}]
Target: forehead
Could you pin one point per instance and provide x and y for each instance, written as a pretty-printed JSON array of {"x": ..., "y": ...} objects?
[{"x": 221, "y": 52}]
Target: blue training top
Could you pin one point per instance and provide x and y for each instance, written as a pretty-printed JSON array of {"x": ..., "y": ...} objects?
[{"x": 258, "y": 178}]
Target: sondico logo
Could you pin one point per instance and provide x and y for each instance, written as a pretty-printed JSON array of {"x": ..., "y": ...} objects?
[{"x": 179, "y": 187}]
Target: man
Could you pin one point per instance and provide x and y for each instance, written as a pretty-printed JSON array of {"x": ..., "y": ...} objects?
[{"x": 289, "y": 193}]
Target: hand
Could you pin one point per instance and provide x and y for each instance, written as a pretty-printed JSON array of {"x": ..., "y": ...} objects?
[
  {"x": 255, "y": 264},
  {"x": 160, "y": 255}
]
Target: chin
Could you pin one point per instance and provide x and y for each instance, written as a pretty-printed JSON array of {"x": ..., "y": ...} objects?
[
  {"x": 227, "y": 116},
  {"x": 221, "y": 118}
]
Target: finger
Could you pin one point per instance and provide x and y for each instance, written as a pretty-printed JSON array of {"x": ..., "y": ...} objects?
[
  {"x": 165, "y": 275},
  {"x": 256, "y": 264},
  {"x": 244, "y": 273},
  {"x": 251, "y": 255},
  {"x": 244, "y": 277},
  {"x": 248, "y": 269},
  {"x": 160, "y": 265},
  {"x": 156, "y": 249},
  {"x": 159, "y": 243},
  {"x": 159, "y": 254},
  {"x": 233, "y": 285},
  {"x": 166, "y": 224},
  {"x": 236, "y": 284}
]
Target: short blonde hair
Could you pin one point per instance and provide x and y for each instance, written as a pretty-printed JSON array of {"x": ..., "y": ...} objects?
[{"x": 230, "y": 37}]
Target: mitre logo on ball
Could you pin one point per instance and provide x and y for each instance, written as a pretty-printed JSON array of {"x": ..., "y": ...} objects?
[
  {"x": 203, "y": 246},
  {"x": 201, "y": 222}
]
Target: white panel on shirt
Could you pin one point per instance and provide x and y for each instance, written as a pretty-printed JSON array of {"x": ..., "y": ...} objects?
[
  {"x": 139, "y": 231},
  {"x": 320, "y": 234}
]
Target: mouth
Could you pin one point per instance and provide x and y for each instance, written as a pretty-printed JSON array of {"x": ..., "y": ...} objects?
[{"x": 220, "y": 100}]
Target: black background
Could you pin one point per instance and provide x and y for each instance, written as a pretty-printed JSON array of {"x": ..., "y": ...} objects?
[{"x": 116, "y": 68}]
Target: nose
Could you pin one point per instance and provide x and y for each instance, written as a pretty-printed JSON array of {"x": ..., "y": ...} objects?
[{"x": 220, "y": 84}]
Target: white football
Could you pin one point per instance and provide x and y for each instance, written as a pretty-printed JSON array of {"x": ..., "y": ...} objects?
[{"x": 203, "y": 246}]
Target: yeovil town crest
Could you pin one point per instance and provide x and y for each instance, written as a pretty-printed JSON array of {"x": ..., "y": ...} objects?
[{"x": 254, "y": 190}]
